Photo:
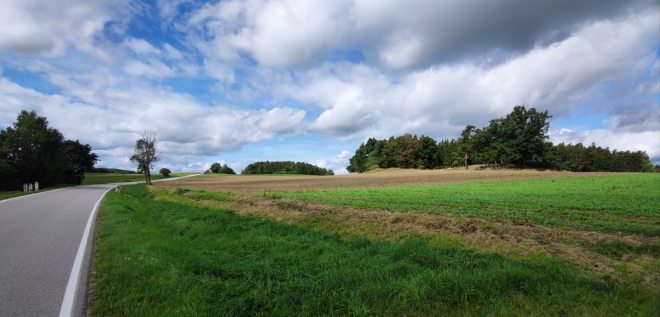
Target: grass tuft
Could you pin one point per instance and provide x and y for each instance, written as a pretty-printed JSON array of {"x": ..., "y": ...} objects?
[{"x": 617, "y": 249}]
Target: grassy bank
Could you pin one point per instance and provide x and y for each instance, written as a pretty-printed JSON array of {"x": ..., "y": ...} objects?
[
  {"x": 18, "y": 193},
  {"x": 166, "y": 258},
  {"x": 107, "y": 178},
  {"x": 619, "y": 203}
]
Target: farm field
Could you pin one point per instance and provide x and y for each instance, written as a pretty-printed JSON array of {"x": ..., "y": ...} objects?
[
  {"x": 378, "y": 179},
  {"x": 506, "y": 243}
]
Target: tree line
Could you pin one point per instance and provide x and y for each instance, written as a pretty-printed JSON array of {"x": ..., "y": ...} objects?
[
  {"x": 285, "y": 167},
  {"x": 519, "y": 139},
  {"x": 31, "y": 151},
  {"x": 108, "y": 170}
]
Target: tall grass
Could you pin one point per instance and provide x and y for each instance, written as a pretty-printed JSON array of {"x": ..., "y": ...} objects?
[{"x": 160, "y": 258}]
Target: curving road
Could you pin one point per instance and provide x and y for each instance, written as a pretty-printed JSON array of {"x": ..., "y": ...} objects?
[{"x": 41, "y": 238}]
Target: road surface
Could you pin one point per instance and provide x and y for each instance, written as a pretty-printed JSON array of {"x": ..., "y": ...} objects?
[{"x": 41, "y": 236}]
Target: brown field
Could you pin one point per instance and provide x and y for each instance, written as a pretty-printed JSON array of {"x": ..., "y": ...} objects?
[{"x": 383, "y": 178}]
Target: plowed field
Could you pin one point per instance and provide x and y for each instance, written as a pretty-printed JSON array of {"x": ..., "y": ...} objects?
[{"x": 387, "y": 178}]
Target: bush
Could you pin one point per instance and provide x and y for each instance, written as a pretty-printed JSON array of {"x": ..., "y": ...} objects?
[{"x": 166, "y": 172}]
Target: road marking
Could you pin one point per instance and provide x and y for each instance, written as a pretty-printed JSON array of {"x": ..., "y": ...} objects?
[{"x": 72, "y": 286}]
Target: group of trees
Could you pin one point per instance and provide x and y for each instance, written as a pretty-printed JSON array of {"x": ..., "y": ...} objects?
[
  {"x": 519, "y": 139},
  {"x": 31, "y": 151},
  {"x": 224, "y": 169},
  {"x": 579, "y": 158},
  {"x": 106, "y": 170},
  {"x": 286, "y": 167}
]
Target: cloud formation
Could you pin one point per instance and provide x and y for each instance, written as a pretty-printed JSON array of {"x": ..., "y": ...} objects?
[
  {"x": 213, "y": 78},
  {"x": 287, "y": 33}
]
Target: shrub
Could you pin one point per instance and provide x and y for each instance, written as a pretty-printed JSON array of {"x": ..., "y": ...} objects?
[{"x": 166, "y": 172}]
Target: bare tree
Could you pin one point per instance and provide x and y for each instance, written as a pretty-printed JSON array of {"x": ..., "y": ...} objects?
[{"x": 145, "y": 154}]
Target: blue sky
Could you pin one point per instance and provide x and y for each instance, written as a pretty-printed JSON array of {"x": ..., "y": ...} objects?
[{"x": 242, "y": 81}]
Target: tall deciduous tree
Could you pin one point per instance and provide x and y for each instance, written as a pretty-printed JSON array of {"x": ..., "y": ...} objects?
[
  {"x": 519, "y": 138},
  {"x": 145, "y": 154}
]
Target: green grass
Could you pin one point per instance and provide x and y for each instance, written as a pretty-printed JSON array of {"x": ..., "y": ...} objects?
[
  {"x": 620, "y": 203},
  {"x": 617, "y": 249},
  {"x": 13, "y": 194},
  {"x": 17, "y": 193},
  {"x": 106, "y": 178},
  {"x": 161, "y": 258}
]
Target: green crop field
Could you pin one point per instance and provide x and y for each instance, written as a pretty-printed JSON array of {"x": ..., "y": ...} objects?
[
  {"x": 107, "y": 178},
  {"x": 618, "y": 203},
  {"x": 175, "y": 257}
]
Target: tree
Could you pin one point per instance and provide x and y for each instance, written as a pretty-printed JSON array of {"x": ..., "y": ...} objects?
[
  {"x": 31, "y": 151},
  {"x": 145, "y": 154},
  {"x": 78, "y": 159},
  {"x": 226, "y": 170},
  {"x": 429, "y": 152},
  {"x": 165, "y": 172},
  {"x": 519, "y": 138},
  {"x": 466, "y": 143},
  {"x": 215, "y": 168}
]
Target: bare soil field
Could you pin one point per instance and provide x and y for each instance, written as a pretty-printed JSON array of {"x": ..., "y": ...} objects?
[{"x": 383, "y": 178}]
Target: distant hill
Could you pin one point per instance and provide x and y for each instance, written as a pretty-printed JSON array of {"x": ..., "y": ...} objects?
[{"x": 108, "y": 170}]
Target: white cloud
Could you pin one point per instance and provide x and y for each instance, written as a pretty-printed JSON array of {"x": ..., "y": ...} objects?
[
  {"x": 280, "y": 120},
  {"x": 337, "y": 164},
  {"x": 153, "y": 69},
  {"x": 359, "y": 100},
  {"x": 111, "y": 119},
  {"x": 47, "y": 27},
  {"x": 395, "y": 35},
  {"x": 172, "y": 53},
  {"x": 141, "y": 47}
]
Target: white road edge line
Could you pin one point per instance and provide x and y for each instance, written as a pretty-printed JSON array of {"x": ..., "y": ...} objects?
[{"x": 72, "y": 285}]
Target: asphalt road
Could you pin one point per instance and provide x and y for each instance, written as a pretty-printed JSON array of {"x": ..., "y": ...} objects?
[{"x": 40, "y": 238}]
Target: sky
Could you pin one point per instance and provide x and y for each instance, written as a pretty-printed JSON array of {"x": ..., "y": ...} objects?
[{"x": 237, "y": 82}]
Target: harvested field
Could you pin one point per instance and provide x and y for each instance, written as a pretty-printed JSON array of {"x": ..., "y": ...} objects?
[{"x": 385, "y": 178}]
